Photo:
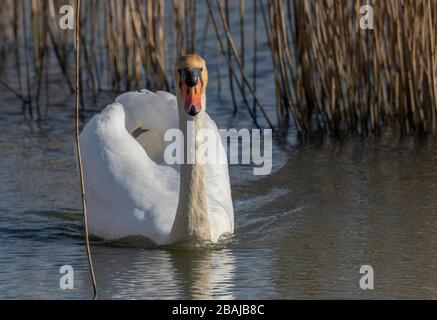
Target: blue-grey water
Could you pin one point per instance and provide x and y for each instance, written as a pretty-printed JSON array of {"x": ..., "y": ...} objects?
[{"x": 303, "y": 231}]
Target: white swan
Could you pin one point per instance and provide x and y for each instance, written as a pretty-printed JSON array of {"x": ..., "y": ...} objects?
[{"x": 130, "y": 191}]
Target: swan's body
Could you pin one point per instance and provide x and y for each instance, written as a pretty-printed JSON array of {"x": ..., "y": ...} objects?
[{"x": 130, "y": 191}]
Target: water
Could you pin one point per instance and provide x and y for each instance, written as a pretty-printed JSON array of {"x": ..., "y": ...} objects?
[{"x": 302, "y": 232}]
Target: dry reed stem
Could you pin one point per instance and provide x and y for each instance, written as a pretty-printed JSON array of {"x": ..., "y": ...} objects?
[{"x": 79, "y": 157}]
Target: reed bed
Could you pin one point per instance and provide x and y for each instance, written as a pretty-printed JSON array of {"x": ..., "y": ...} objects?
[
  {"x": 329, "y": 75},
  {"x": 335, "y": 76}
]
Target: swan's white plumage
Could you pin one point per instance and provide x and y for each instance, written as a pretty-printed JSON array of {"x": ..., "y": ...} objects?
[{"x": 128, "y": 192}]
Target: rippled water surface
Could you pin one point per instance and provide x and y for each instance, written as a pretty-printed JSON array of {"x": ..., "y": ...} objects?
[{"x": 301, "y": 232}]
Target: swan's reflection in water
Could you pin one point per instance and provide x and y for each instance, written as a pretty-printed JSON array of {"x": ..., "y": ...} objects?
[{"x": 164, "y": 274}]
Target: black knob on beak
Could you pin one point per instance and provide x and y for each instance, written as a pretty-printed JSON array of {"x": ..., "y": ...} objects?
[{"x": 191, "y": 78}]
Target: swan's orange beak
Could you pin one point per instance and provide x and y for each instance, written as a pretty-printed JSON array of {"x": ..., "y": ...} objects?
[
  {"x": 193, "y": 101},
  {"x": 191, "y": 87}
]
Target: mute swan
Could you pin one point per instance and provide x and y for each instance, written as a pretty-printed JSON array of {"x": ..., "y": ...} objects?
[{"x": 130, "y": 191}]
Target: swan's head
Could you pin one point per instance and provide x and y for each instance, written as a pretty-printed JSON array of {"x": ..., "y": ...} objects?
[{"x": 191, "y": 78}]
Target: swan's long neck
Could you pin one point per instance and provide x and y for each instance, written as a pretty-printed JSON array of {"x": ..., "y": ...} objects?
[{"x": 191, "y": 222}]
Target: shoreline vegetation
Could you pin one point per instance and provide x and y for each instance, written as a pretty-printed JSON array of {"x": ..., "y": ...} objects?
[{"x": 330, "y": 75}]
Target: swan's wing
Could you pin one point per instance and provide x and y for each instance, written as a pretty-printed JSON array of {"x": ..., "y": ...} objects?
[
  {"x": 219, "y": 198},
  {"x": 127, "y": 193},
  {"x": 149, "y": 110},
  {"x": 153, "y": 113}
]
